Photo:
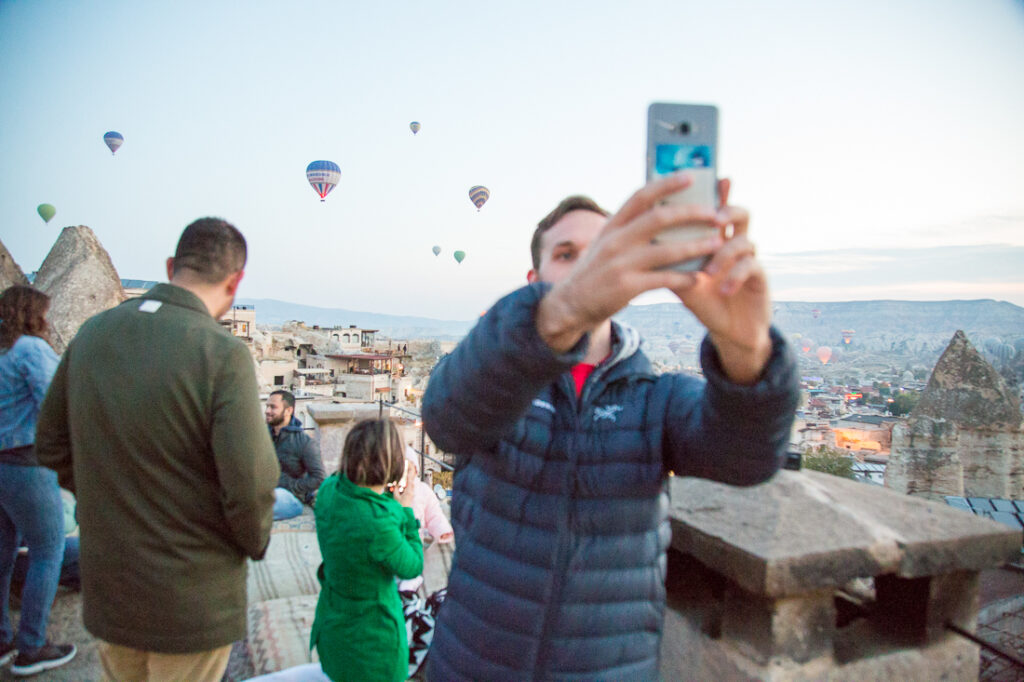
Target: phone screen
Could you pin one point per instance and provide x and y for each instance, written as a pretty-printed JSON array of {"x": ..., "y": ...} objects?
[{"x": 695, "y": 158}]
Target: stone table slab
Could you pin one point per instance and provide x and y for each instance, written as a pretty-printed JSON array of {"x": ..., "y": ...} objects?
[{"x": 803, "y": 531}]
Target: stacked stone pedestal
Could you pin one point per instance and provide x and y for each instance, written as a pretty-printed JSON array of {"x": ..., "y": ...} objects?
[{"x": 812, "y": 577}]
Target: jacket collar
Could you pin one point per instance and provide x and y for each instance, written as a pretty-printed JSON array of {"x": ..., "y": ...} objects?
[
  {"x": 175, "y": 295},
  {"x": 626, "y": 356},
  {"x": 354, "y": 490},
  {"x": 293, "y": 426}
]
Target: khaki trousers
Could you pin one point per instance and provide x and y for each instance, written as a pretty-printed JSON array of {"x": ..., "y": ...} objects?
[{"x": 123, "y": 664}]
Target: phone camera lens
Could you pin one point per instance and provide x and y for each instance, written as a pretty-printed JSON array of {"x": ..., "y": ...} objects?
[{"x": 684, "y": 128}]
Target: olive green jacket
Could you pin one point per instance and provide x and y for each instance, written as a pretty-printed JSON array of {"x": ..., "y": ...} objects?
[
  {"x": 153, "y": 420},
  {"x": 367, "y": 540}
]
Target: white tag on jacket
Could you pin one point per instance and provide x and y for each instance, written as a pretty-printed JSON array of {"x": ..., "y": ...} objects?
[
  {"x": 544, "y": 405},
  {"x": 150, "y": 306}
]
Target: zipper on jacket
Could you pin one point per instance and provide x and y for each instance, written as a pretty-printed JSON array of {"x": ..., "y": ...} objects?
[{"x": 565, "y": 540}]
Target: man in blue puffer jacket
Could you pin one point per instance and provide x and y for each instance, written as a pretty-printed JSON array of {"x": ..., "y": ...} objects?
[{"x": 565, "y": 436}]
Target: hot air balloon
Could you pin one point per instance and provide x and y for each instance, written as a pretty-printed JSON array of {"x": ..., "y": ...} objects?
[
  {"x": 479, "y": 195},
  {"x": 847, "y": 336},
  {"x": 114, "y": 140},
  {"x": 323, "y": 176},
  {"x": 806, "y": 345},
  {"x": 436, "y": 250},
  {"x": 459, "y": 256},
  {"x": 46, "y": 212},
  {"x": 414, "y": 127},
  {"x": 816, "y": 313},
  {"x": 824, "y": 353}
]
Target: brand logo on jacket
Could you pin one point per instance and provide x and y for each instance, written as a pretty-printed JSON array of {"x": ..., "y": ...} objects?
[
  {"x": 607, "y": 412},
  {"x": 544, "y": 405}
]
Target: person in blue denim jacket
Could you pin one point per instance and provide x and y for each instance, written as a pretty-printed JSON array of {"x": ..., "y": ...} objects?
[{"x": 31, "y": 511}]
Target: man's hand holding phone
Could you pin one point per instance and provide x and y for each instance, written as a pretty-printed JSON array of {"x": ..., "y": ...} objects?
[
  {"x": 622, "y": 262},
  {"x": 730, "y": 297}
]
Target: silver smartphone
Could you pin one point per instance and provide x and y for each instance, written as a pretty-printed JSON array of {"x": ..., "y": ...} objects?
[{"x": 685, "y": 137}]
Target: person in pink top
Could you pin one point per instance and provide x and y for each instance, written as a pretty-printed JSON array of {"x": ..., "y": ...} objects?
[{"x": 427, "y": 508}]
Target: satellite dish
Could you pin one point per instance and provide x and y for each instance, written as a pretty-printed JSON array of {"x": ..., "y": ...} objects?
[{"x": 440, "y": 491}]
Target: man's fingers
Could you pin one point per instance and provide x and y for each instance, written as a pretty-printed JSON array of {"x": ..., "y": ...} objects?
[
  {"x": 731, "y": 251},
  {"x": 743, "y": 270},
  {"x": 648, "y": 195},
  {"x": 663, "y": 279},
  {"x": 738, "y": 217},
  {"x": 666, "y": 254},
  {"x": 660, "y": 218},
  {"x": 724, "y": 185}
]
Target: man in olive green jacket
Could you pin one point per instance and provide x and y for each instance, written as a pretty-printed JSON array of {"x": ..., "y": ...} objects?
[{"x": 153, "y": 420}]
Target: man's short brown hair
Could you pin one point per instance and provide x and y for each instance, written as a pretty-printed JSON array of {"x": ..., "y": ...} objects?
[
  {"x": 211, "y": 249},
  {"x": 577, "y": 202}
]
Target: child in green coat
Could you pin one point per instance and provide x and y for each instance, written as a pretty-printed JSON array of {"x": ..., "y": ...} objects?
[{"x": 368, "y": 536}]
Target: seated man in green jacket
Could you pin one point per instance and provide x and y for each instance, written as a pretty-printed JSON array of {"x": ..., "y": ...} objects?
[{"x": 302, "y": 471}]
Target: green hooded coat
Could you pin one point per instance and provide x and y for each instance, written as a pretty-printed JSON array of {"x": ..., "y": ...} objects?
[{"x": 367, "y": 539}]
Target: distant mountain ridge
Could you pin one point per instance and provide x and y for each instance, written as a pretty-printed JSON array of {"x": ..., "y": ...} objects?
[
  {"x": 881, "y": 321},
  {"x": 275, "y": 313}
]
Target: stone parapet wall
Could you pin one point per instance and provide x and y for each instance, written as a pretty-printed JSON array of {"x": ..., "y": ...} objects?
[
  {"x": 813, "y": 577},
  {"x": 333, "y": 422}
]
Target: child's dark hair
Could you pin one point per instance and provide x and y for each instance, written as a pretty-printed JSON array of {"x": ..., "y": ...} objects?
[{"x": 373, "y": 453}]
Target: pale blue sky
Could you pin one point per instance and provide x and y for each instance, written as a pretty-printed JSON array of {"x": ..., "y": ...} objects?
[{"x": 849, "y": 131}]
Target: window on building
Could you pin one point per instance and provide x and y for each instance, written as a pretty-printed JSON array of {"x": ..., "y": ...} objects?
[{"x": 279, "y": 380}]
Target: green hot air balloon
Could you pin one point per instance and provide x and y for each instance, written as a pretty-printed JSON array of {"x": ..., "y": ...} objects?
[
  {"x": 436, "y": 250},
  {"x": 459, "y": 256},
  {"x": 46, "y": 212}
]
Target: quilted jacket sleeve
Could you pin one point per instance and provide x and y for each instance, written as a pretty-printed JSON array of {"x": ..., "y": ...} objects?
[
  {"x": 730, "y": 433},
  {"x": 478, "y": 391}
]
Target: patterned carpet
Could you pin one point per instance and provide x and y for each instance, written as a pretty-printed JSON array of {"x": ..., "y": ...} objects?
[{"x": 287, "y": 573}]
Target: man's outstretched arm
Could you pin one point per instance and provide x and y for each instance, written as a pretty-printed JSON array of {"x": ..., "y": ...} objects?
[
  {"x": 481, "y": 388},
  {"x": 729, "y": 432}
]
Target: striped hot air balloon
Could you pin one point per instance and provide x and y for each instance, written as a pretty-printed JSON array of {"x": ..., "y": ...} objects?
[
  {"x": 459, "y": 256},
  {"x": 479, "y": 195},
  {"x": 436, "y": 250},
  {"x": 114, "y": 140},
  {"x": 323, "y": 176},
  {"x": 414, "y": 127}
]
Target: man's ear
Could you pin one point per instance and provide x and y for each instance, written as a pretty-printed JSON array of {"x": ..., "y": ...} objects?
[
  {"x": 233, "y": 281},
  {"x": 532, "y": 277},
  {"x": 170, "y": 268}
]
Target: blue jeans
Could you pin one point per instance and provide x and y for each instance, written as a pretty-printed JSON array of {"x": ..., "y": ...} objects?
[
  {"x": 70, "y": 575},
  {"x": 286, "y": 505},
  {"x": 31, "y": 513}
]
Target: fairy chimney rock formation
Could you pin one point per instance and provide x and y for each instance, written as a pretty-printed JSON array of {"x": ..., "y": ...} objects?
[
  {"x": 80, "y": 280},
  {"x": 964, "y": 437},
  {"x": 10, "y": 273}
]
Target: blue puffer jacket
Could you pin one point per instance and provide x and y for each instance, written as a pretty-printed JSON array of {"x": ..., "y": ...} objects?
[{"x": 559, "y": 503}]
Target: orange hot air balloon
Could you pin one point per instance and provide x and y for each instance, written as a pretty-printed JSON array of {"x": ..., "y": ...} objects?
[{"x": 824, "y": 354}]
